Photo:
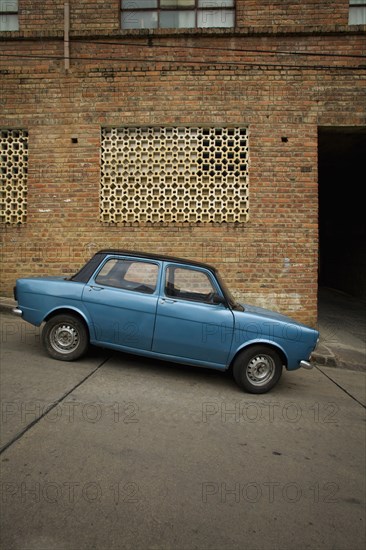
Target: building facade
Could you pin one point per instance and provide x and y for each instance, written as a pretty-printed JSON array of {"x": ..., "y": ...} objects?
[{"x": 196, "y": 128}]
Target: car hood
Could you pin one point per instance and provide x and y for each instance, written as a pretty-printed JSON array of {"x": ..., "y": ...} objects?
[
  {"x": 269, "y": 314},
  {"x": 261, "y": 321}
]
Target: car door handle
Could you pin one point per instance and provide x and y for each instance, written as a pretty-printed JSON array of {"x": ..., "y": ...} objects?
[
  {"x": 98, "y": 288},
  {"x": 167, "y": 301}
]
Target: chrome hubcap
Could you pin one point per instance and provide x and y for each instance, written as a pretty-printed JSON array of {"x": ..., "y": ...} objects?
[
  {"x": 260, "y": 370},
  {"x": 64, "y": 338}
]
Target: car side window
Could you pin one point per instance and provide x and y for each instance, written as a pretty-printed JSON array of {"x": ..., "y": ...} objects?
[
  {"x": 129, "y": 275},
  {"x": 188, "y": 284}
]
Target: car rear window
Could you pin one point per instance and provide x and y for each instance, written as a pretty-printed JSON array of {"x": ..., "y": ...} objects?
[{"x": 88, "y": 269}]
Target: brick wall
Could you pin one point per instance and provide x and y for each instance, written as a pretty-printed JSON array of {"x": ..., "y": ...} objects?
[
  {"x": 179, "y": 78},
  {"x": 45, "y": 16},
  {"x": 254, "y": 13},
  {"x": 38, "y": 16}
]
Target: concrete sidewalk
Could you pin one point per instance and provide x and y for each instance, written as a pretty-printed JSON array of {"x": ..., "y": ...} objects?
[{"x": 342, "y": 327}]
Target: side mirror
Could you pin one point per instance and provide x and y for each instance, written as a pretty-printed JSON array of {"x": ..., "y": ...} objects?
[{"x": 217, "y": 299}]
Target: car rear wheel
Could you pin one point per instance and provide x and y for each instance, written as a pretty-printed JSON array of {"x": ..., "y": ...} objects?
[
  {"x": 257, "y": 369},
  {"x": 65, "y": 337}
]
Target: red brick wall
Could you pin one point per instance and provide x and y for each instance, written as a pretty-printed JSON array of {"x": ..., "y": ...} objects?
[
  {"x": 99, "y": 16},
  {"x": 47, "y": 16},
  {"x": 185, "y": 79},
  {"x": 257, "y": 13}
]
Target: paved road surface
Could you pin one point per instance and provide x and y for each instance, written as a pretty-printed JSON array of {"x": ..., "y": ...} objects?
[{"x": 116, "y": 452}]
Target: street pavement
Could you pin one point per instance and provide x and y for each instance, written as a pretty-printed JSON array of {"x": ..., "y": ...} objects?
[{"x": 115, "y": 452}]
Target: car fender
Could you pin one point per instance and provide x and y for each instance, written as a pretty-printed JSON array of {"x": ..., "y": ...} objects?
[
  {"x": 255, "y": 342},
  {"x": 67, "y": 310}
]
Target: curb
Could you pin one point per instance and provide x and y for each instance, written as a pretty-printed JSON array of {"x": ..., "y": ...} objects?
[
  {"x": 323, "y": 356},
  {"x": 7, "y": 304},
  {"x": 333, "y": 358}
]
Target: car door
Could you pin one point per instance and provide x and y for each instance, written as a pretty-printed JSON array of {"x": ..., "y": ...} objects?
[
  {"x": 121, "y": 300},
  {"x": 189, "y": 324}
]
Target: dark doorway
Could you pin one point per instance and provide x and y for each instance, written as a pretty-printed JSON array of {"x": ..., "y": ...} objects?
[{"x": 342, "y": 212}]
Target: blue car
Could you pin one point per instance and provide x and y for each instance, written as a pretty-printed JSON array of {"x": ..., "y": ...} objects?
[{"x": 166, "y": 308}]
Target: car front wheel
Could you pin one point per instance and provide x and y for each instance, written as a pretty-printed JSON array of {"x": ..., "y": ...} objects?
[
  {"x": 257, "y": 369},
  {"x": 65, "y": 337}
]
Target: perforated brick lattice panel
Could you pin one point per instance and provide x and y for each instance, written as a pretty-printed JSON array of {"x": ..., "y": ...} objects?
[
  {"x": 13, "y": 170},
  {"x": 174, "y": 175}
]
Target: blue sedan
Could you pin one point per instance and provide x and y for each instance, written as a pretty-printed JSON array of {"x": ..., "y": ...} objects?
[{"x": 166, "y": 308}]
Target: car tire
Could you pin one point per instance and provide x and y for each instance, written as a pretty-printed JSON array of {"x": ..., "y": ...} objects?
[
  {"x": 65, "y": 337},
  {"x": 257, "y": 369}
]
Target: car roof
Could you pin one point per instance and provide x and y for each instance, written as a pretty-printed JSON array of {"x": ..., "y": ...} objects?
[
  {"x": 159, "y": 257},
  {"x": 83, "y": 276}
]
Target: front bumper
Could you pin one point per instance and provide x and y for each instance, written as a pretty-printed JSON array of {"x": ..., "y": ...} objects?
[
  {"x": 17, "y": 311},
  {"x": 306, "y": 365}
]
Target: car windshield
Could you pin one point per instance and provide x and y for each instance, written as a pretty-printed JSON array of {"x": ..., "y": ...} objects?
[{"x": 230, "y": 298}]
